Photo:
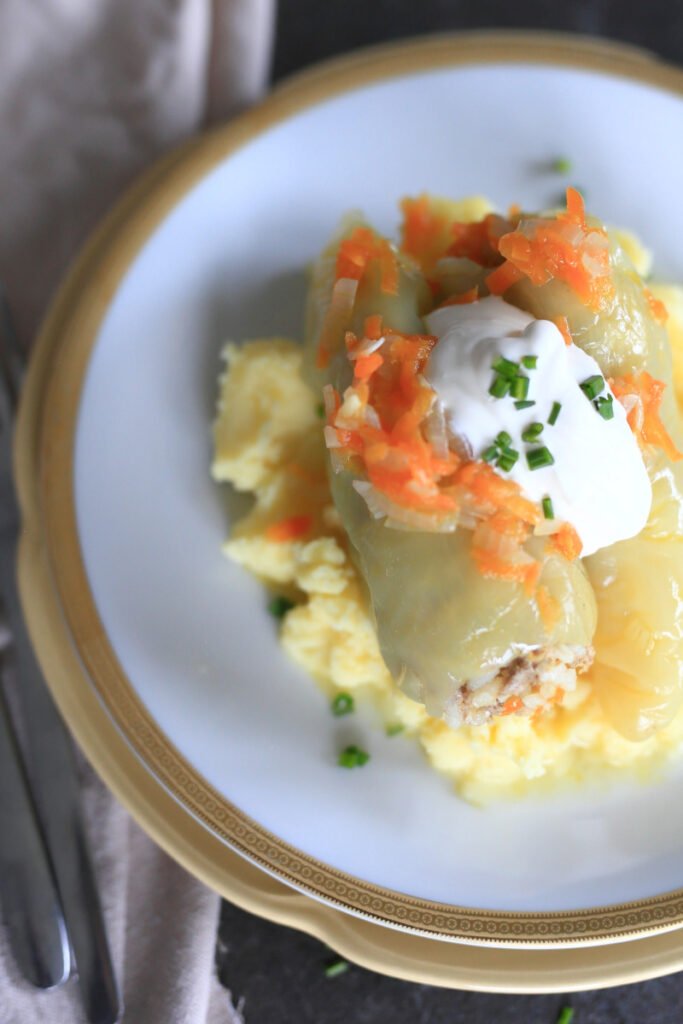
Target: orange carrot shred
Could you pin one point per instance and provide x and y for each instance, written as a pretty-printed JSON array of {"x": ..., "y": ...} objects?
[
  {"x": 562, "y": 325},
  {"x": 657, "y": 308},
  {"x": 291, "y": 528},
  {"x": 472, "y": 295},
  {"x": 567, "y": 542},
  {"x": 359, "y": 249},
  {"x": 644, "y": 419},
  {"x": 503, "y": 277},
  {"x": 373, "y": 327},
  {"x": 365, "y": 366}
]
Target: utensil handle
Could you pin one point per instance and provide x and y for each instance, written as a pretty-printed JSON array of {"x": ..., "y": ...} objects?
[
  {"x": 54, "y": 783},
  {"x": 28, "y": 895}
]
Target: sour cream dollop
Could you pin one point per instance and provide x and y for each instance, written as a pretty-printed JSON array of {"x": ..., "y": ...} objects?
[{"x": 598, "y": 481}]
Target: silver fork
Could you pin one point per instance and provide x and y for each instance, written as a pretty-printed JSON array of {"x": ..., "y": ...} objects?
[{"x": 49, "y": 755}]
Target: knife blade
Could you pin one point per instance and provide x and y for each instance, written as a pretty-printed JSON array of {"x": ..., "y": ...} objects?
[
  {"x": 28, "y": 895},
  {"x": 49, "y": 755}
]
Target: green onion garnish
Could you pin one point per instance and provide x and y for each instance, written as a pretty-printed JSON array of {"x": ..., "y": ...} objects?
[
  {"x": 500, "y": 387},
  {"x": 592, "y": 386},
  {"x": 353, "y": 757},
  {"x": 548, "y": 510},
  {"x": 507, "y": 459},
  {"x": 554, "y": 413},
  {"x": 524, "y": 405},
  {"x": 505, "y": 367},
  {"x": 566, "y": 1015},
  {"x": 561, "y": 165},
  {"x": 342, "y": 704},
  {"x": 529, "y": 362},
  {"x": 605, "y": 407},
  {"x": 503, "y": 439},
  {"x": 333, "y": 968},
  {"x": 519, "y": 386},
  {"x": 279, "y": 607},
  {"x": 395, "y": 729},
  {"x": 320, "y": 410},
  {"x": 532, "y": 432},
  {"x": 537, "y": 458},
  {"x": 490, "y": 454}
]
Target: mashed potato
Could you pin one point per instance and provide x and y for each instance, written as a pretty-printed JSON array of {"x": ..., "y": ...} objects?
[{"x": 269, "y": 443}]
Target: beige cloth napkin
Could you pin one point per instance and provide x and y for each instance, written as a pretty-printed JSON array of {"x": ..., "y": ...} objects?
[{"x": 90, "y": 92}]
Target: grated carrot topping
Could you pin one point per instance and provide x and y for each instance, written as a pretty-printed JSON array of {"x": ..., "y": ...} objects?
[
  {"x": 373, "y": 327},
  {"x": 291, "y": 528},
  {"x": 478, "y": 240},
  {"x": 503, "y": 277},
  {"x": 645, "y": 395},
  {"x": 567, "y": 542},
  {"x": 424, "y": 233},
  {"x": 657, "y": 308},
  {"x": 565, "y": 248},
  {"x": 361, "y": 248},
  {"x": 472, "y": 295},
  {"x": 365, "y": 366},
  {"x": 562, "y": 325}
]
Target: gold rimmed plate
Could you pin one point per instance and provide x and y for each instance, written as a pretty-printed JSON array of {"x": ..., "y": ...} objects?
[{"x": 180, "y": 664}]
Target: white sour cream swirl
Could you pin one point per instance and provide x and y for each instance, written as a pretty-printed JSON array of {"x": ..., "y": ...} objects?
[{"x": 598, "y": 481}]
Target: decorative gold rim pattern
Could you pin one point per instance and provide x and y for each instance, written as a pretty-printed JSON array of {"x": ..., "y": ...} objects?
[{"x": 67, "y": 340}]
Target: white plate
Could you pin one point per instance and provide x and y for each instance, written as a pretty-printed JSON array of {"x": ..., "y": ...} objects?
[{"x": 187, "y": 640}]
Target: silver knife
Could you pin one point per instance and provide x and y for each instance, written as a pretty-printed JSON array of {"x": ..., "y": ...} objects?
[
  {"x": 28, "y": 896},
  {"x": 49, "y": 755}
]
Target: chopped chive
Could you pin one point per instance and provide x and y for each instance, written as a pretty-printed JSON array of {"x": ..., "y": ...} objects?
[
  {"x": 505, "y": 367},
  {"x": 320, "y": 410},
  {"x": 529, "y": 362},
  {"x": 548, "y": 510},
  {"x": 279, "y": 607},
  {"x": 537, "y": 458},
  {"x": 333, "y": 968},
  {"x": 592, "y": 386},
  {"x": 519, "y": 387},
  {"x": 507, "y": 460},
  {"x": 500, "y": 387},
  {"x": 554, "y": 413},
  {"x": 565, "y": 1016},
  {"x": 561, "y": 165},
  {"x": 490, "y": 454},
  {"x": 395, "y": 729},
  {"x": 605, "y": 407},
  {"x": 343, "y": 704},
  {"x": 503, "y": 439},
  {"x": 532, "y": 432},
  {"x": 353, "y": 757},
  {"x": 524, "y": 405}
]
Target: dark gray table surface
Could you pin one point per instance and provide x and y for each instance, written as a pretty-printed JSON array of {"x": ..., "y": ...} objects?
[{"x": 279, "y": 972}]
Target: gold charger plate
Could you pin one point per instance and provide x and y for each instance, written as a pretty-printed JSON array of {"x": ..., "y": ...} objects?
[{"x": 125, "y": 745}]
